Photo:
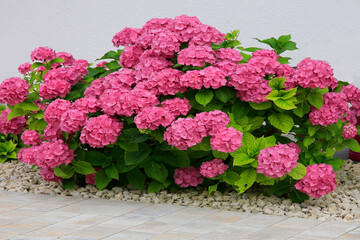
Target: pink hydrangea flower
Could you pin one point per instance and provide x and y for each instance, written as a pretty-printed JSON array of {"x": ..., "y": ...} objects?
[
  {"x": 314, "y": 73},
  {"x": 14, "y": 90},
  {"x": 190, "y": 176},
  {"x": 120, "y": 79},
  {"x": 334, "y": 108},
  {"x": 265, "y": 65},
  {"x": 117, "y": 101},
  {"x": 141, "y": 98},
  {"x": 72, "y": 74},
  {"x": 125, "y": 37},
  {"x": 250, "y": 83},
  {"x": 196, "y": 56},
  {"x": 82, "y": 62},
  {"x": 55, "y": 109},
  {"x": 184, "y": 133},
  {"x": 90, "y": 179},
  {"x": 53, "y": 154},
  {"x": 72, "y": 120},
  {"x": 164, "y": 82},
  {"x": 177, "y": 106},
  {"x": 229, "y": 68},
  {"x": 157, "y": 23},
  {"x": 41, "y": 69},
  {"x": 320, "y": 179},
  {"x": 95, "y": 89},
  {"x": 266, "y": 53},
  {"x": 27, "y": 155},
  {"x": 165, "y": 43},
  {"x": 69, "y": 59},
  {"x": 87, "y": 104},
  {"x": 184, "y": 26},
  {"x": 287, "y": 72},
  {"x": 148, "y": 65},
  {"x": 278, "y": 160},
  {"x": 205, "y": 35},
  {"x": 129, "y": 58},
  {"x": 213, "y": 77},
  {"x": 349, "y": 131},
  {"x": 101, "y": 131},
  {"x": 212, "y": 121},
  {"x": 213, "y": 168},
  {"x": 47, "y": 174},
  {"x": 15, "y": 125},
  {"x": 351, "y": 116},
  {"x": 226, "y": 140},
  {"x": 52, "y": 132},
  {"x": 30, "y": 137},
  {"x": 54, "y": 88},
  {"x": 351, "y": 92},
  {"x": 43, "y": 54},
  {"x": 153, "y": 117},
  {"x": 191, "y": 79},
  {"x": 25, "y": 68},
  {"x": 228, "y": 54},
  {"x": 41, "y": 105},
  {"x": 102, "y": 64}
]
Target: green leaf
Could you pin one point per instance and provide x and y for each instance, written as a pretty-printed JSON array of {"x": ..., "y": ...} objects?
[
  {"x": 10, "y": 146},
  {"x": 283, "y": 60},
  {"x": 110, "y": 55},
  {"x": 312, "y": 130},
  {"x": 247, "y": 179},
  {"x": 112, "y": 172},
  {"x": 288, "y": 94},
  {"x": 279, "y": 188},
  {"x": 301, "y": 109},
  {"x": 277, "y": 83},
  {"x": 330, "y": 152},
  {"x": 247, "y": 139},
  {"x": 136, "y": 178},
  {"x": 36, "y": 64},
  {"x": 64, "y": 171},
  {"x": 336, "y": 163},
  {"x": 122, "y": 168},
  {"x": 315, "y": 98},
  {"x": 224, "y": 94},
  {"x": 297, "y": 196},
  {"x": 204, "y": 96},
  {"x": 285, "y": 104},
  {"x": 264, "y": 180},
  {"x": 68, "y": 183},
  {"x": 352, "y": 144},
  {"x": 27, "y": 106},
  {"x": 3, "y": 159},
  {"x": 138, "y": 156},
  {"x": 129, "y": 147},
  {"x": 254, "y": 147},
  {"x": 156, "y": 171},
  {"x": 57, "y": 60},
  {"x": 113, "y": 65},
  {"x": 281, "y": 121},
  {"x": 240, "y": 109},
  {"x": 212, "y": 188},
  {"x": 241, "y": 159},
  {"x": 256, "y": 123},
  {"x": 272, "y": 42},
  {"x": 220, "y": 155},
  {"x": 270, "y": 141},
  {"x": 283, "y": 39},
  {"x": 298, "y": 172},
  {"x": 155, "y": 186},
  {"x": 38, "y": 125},
  {"x": 83, "y": 167},
  {"x": 17, "y": 112},
  {"x": 139, "y": 138},
  {"x": 177, "y": 158},
  {"x": 308, "y": 140},
  {"x": 260, "y": 106},
  {"x": 288, "y": 46},
  {"x": 251, "y": 49},
  {"x": 102, "y": 179},
  {"x": 12, "y": 155},
  {"x": 273, "y": 95},
  {"x": 96, "y": 158}
]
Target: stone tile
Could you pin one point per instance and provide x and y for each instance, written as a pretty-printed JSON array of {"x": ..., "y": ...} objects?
[
  {"x": 59, "y": 229},
  {"x": 94, "y": 232},
  {"x": 176, "y": 236},
  {"x": 353, "y": 235},
  {"x": 276, "y": 233},
  {"x": 86, "y": 220},
  {"x": 337, "y": 226},
  {"x": 318, "y": 234},
  {"x": 154, "y": 227},
  {"x": 227, "y": 216},
  {"x": 22, "y": 237},
  {"x": 17, "y": 228},
  {"x": 42, "y": 206},
  {"x": 126, "y": 220},
  {"x": 158, "y": 210},
  {"x": 35, "y": 235},
  {"x": 300, "y": 223},
  {"x": 32, "y": 197},
  {"x": 218, "y": 236},
  {"x": 18, "y": 214},
  {"x": 196, "y": 211},
  {"x": 238, "y": 230},
  {"x": 6, "y": 206},
  {"x": 65, "y": 200},
  {"x": 131, "y": 235},
  {"x": 178, "y": 218},
  {"x": 4, "y": 194},
  {"x": 104, "y": 207},
  {"x": 201, "y": 227},
  {"x": 260, "y": 220},
  {"x": 7, "y": 235}
]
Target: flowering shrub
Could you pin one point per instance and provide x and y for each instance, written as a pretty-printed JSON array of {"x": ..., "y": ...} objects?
[{"x": 181, "y": 105}]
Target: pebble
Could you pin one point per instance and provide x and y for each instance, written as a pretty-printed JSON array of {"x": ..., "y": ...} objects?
[{"x": 341, "y": 205}]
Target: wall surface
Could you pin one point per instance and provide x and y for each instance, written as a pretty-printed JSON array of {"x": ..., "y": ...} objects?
[{"x": 323, "y": 29}]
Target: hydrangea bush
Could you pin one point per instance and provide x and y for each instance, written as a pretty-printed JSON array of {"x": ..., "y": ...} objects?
[{"x": 181, "y": 105}]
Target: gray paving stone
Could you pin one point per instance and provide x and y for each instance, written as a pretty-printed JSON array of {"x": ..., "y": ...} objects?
[
  {"x": 260, "y": 220},
  {"x": 300, "y": 223},
  {"x": 274, "y": 232},
  {"x": 131, "y": 235}
]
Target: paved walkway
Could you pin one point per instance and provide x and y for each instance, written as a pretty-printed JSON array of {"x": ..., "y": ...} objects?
[{"x": 33, "y": 216}]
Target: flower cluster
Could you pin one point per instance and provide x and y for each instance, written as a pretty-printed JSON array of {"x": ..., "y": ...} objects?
[
  {"x": 47, "y": 174},
  {"x": 43, "y": 54},
  {"x": 351, "y": 92},
  {"x": 212, "y": 121},
  {"x": 334, "y": 108},
  {"x": 320, "y": 179},
  {"x": 226, "y": 140},
  {"x": 53, "y": 112},
  {"x": 349, "y": 131},
  {"x": 196, "y": 56},
  {"x": 228, "y": 55},
  {"x": 53, "y": 154},
  {"x": 190, "y": 176},
  {"x": 213, "y": 168},
  {"x": 25, "y": 68},
  {"x": 15, "y": 125},
  {"x": 72, "y": 120},
  {"x": 100, "y": 131},
  {"x": 152, "y": 117},
  {"x": 13, "y": 90},
  {"x": 278, "y": 160},
  {"x": 177, "y": 106},
  {"x": 30, "y": 137}
]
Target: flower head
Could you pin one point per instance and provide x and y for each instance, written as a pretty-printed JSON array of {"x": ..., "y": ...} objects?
[
  {"x": 213, "y": 168},
  {"x": 14, "y": 90},
  {"x": 190, "y": 176},
  {"x": 15, "y": 126}
]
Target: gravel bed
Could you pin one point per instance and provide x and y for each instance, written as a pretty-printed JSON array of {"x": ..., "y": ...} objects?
[{"x": 341, "y": 205}]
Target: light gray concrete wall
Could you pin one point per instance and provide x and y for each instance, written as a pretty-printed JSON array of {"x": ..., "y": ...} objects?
[{"x": 323, "y": 29}]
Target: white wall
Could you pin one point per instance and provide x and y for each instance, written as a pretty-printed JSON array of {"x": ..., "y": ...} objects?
[{"x": 323, "y": 29}]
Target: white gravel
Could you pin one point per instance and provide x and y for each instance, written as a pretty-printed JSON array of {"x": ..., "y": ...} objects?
[{"x": 341, "y": 205}]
